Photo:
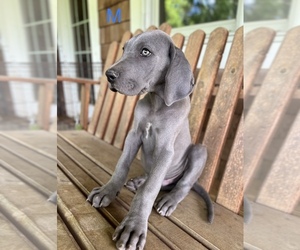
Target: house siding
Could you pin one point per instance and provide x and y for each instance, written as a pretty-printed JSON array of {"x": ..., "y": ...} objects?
[{"x": 112, "y": 31}]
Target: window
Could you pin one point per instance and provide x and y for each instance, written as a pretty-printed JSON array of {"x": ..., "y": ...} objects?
[
  {"x": 38, "y": 25},
  {"x": 41, "y": 45},
  {"x": 83, "y": 54}
]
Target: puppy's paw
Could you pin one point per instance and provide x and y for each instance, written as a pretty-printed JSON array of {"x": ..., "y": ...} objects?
[
  {"x": 166, "y": 204},
  {"x": 102, "y": 196},
  {"x": 131, "y": 233},
  {"x": 135, "y": 183}
]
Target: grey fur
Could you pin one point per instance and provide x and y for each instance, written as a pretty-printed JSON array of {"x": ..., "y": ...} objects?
[{"x": 151, "y": 63}]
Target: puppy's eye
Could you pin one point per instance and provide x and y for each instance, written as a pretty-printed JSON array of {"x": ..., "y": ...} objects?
[{"x": 145, "y": 52}]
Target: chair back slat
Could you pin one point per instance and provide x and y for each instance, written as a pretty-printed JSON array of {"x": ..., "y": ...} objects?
[
  {"x": 110, "y": 96},
  {"x": 111, "y": 57},
  {"x": 257, "y": 44},
  {"x": 205, "y": 81},
  {"x": 193, "y": 48},
  {"x": 281, "y": 188},
  {"x": 267, "y": 109},
  {"x": 178, "y": 40},
  {"x": 223, "y": 109},
  {"x": 125, "y": 121},
  {"x": 165, "y": 27},
  {"x": 231, "y": 190},
  {"x": 152, "y": 27}
]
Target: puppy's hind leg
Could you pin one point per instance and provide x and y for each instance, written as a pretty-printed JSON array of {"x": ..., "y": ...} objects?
[
  {"x": 135, "y": 183},
  {"x": 196, "y": 160}
]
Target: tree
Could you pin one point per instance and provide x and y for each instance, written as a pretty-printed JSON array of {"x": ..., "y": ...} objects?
[{"x": 188, "y": 12}]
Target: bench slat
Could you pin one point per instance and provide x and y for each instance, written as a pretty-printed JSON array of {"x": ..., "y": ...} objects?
[
  {"x": 231, "y": 190},
  {"x": 126, "y": 116},
  {"x": 89, "y": 176},
  {"x": 165, "y": 27},
  {"x": 281, "y": 189},
  {"x": 110, "y": 96},
  {"x": 178, "y": 40},
  {"x": 116, "y": 112},
  {"x": 257, "y": 44},
  {"x": 125, "y": 121},
  {"x": 138, "y": 31},
  {"x": 111, "y": 56},
  {"x": 223, "y": 109},
  {"x": 271, "y": 101},
  {"x": 205, "y": 81},
  {"x": 193, "y": 48},
  {"x": 121, "y": 117},
  {"x": 190, "y": 215},
  {"x": 152, "y": 27}
]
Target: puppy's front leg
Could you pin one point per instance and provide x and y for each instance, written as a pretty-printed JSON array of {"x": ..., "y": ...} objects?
[
  {"x": 131, "y": 233},
  {"x": 103, "y": 196}
]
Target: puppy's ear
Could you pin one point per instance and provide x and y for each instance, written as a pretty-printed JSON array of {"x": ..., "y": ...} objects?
[{"x": 179, "y": 80}]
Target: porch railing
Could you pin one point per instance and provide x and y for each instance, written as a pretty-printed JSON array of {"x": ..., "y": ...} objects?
[
  {"x": 85, "y": 95},
  {"x": 45, "y": 96}
]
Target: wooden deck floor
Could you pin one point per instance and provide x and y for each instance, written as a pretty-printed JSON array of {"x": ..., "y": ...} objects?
[
  {"x": 27, "y": 178},
  {"x": 86, "y": 162}
]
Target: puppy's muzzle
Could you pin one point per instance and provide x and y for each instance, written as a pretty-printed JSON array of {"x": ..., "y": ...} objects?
[{"x": 111, "y": 77}]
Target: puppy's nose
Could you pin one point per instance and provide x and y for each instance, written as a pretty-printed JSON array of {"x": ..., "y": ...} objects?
[{"x": 111, "y": 75}]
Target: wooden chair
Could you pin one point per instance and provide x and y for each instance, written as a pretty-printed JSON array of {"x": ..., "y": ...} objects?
[
  {"x": 87, "y": 158},
  {"x": 271, "y": 139}
]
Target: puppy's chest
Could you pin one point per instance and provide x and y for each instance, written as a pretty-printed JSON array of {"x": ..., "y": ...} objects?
[{"x": 148, "y": 131}]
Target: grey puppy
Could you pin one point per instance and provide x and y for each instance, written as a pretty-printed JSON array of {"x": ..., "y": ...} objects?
[{"x": 151, "y": 63}]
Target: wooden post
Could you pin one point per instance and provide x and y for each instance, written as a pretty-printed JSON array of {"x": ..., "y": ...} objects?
[
  {"x": 45, "y": 101},
  {"x": 85, "y": 99}
]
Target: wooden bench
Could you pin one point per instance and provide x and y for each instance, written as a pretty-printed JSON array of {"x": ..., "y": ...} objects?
[
  {"x": 86, "y": 159},
  {"x": 268, "y": 167},
  {"x": 271, "y": 139}
]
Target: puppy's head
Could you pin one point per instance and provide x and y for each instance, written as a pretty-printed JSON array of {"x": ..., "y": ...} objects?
[{"x": 151, "y": 63}]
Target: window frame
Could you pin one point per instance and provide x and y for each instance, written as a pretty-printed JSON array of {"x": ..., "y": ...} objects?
[{"x": 145, "y": 13}]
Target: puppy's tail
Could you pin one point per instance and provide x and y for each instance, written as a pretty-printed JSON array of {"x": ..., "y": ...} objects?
[
  {"x": 210, "y": 208},
  {"x": 53, "y": 198}
]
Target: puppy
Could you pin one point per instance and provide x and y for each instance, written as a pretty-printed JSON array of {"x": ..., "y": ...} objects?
[{"x": 152, "y": 64}]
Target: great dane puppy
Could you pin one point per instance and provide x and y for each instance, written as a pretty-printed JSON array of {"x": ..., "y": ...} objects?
[{"x": 151, "y": 63}]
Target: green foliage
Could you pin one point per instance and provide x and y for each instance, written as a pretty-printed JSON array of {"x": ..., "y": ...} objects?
[
  {"x": 34, "y": 127},
  {"x": 266, "y": 10},
  {"x": 187, "y": 12},
  {"x": 78, "y": 127}
]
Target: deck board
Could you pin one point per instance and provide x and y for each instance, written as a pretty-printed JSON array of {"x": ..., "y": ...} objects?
[
  {"x": 22, "y": 202},
  {"x": 65, "y": 239},
  {"x": 272, "y": 229},
  {"x": 12, "y": 235}
]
